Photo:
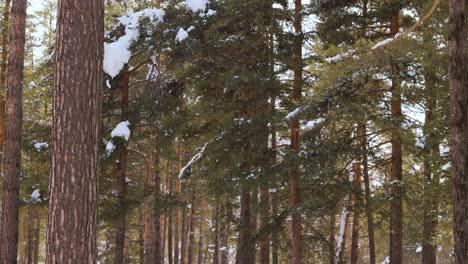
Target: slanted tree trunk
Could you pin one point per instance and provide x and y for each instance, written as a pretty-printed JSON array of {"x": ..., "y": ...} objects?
[
  {"x": 396, "y": 173},
  {"x": 295, "y": 145},
  {"x": 458, "y": 79},
  {"x": 78, "y": 79},
  {"x": 14, "y": 117}
]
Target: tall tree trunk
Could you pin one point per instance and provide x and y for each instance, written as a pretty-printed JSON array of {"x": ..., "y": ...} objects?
[
  {"x": 191, "y": 232},
  {"x": 37, "y": 235},
  {"x": 295, "y": 173},
  {"x": 14, "y": 117},
  {"x": 331, "y": 237},
  {"x": 396, "y": 203},
  {"x": 141, "y": 236},
  {"x": 431, "y": 155},
  {"x": 3, "y": 70},
  {"x": 71, "y": 232},
  {"x": 343, "y": 232},
  {"x": 30, "y": 235},
  {"x": 170, "y": 252},
  {"x": 458, "y": 79},
  {"x": 152, "y": 212},
  {"x": 176, "y": 209},
  {"x": 265, "y": 218},
  {"x": 185, "y": 219},
  {"x": 201, "y": 228},
  {"x": 216, "y": 234},
  {"x": 120, "y": 224},
  {"x": 365, "y": 172},
  {"x": 274, "y": 199},
  {"x": 225, "y": 233},
  {"x": 356, "y": 213}
]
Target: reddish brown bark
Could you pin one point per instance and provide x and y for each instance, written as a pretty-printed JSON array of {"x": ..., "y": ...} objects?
[
  {"x": 78, "y": 79},
  {"x": 201, "y": 235},
  {"x": 225, "y": 233},
  {"x": 216, "y": 234},
  {"x": 14, "y": 116},
  {"x": 265, "y": 218},
  {"x": 458, "y": 79},
  {"x": 191, "y": 242},
  {"x": 176, "y": 209}
]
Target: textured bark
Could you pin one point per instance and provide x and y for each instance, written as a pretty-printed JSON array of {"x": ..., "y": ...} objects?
[
  {"x": 245, "y": 249},
  {"x": 30, "y": 242},
  {"x": 3, "y": 69},
  {"x": 71, "y": 232},
  {"x": 185, "y": 219},
  {"x": 396, "y": 203},
  {"x": 14, "y": 116},
  {"x": 141, "y": 237},
  {"x": 458, "y": 79},
  {"x": 295, "y": 173},
  {"x": 121, "y": 174},
  {"x": 369, "y": 210}
]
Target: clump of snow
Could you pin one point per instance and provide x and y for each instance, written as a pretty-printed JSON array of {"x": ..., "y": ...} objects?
[
  {"x": 36, "y": 195},
  {"x": 108, "y": 84},
  {"x": 386, "y": 260},
  {"x": 181, "y": 35},
  {"x": 382, "y": 43},
  {"x": 339, "y": 57},
  {"x": 312, "y": 124},
  {"x": 40, "y": 145},
  {"x": 32, "y": 84},
  {"x": 447, "y": 166},
  {"x": 341, "y": 233},
  {"x": 196, "y": 5},
  {"x": 411, "y": 73},
  {"x": 419, "y": 249},
  {"x": 117, "y": 54},
  {"x": 293, "y": 114},
  {"x": 121, "y": 130},
  {"x": 110, "y": 147}
]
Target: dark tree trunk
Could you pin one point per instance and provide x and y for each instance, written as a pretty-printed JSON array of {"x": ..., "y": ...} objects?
[
  {"x": 295, "y": 173},
  {"x": 216, "y": 234},
  {"x": 14, "y": 116},
  {"x": 245, "y": 251},
  {"x": 225, "y": 233},
  {"x": 183, "y": 247},
  {"x": 201, "y": 235},
  {"x": 369, "y": 215},
  {"x": 120, "y": 225},
  {"x": 141, "y": 237},
  {"x": 176, "y": 209},
  {"x": 37, "y": 235},
  {"x": 150, "y": 214},
  {"x": 78, "y": 79},
  {"x": 396, "y": 203},
  {"x": 356, "y": 213},
  {"x": 191, "y": 232},
  {"x": 431, "y": 154},
  {"x": 331, "y": 237},
  {"x": 458, "y": 79},
  {"x": 30, "y": 243}
]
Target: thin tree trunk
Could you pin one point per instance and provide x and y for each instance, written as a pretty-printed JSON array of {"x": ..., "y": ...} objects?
[
  {"x": 295, "y": 145},
  {"x": 185, "y": 219},
  {"x": 458, "y": 79},
  {"x": 265, "y": 218},
  {"x": 30, "y": 235},
  {"x": 176, "y": 209},
  {"x": 356, "y": 213},
  {"x": 37, "y": 235},
  {"x": 201, "y": 228},
  {"x": 396, "y": 203},
  {"x": 120, "y": 225},
  {"x": 14, "y": 117},
  {"x": 71, "y": 232},
  {"x": 141, "y": 236},
  {"x": 157, "y": 207},
  {"x": 191, "y": 232},
  {"x": 225, "y": 233},
  {"x": 343, "y": 232},
  {"x": 170, "y": 251},
  {"x": 150, "y": 214},
  {"x": 216, "y": 234},
  {"x": 331, "y": 237},
  {"x": 365, "y": 172}
]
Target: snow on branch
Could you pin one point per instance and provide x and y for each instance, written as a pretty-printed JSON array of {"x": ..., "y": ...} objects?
[{"x": 194, "y": 159}]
